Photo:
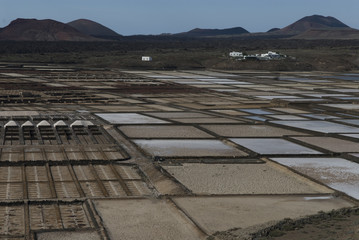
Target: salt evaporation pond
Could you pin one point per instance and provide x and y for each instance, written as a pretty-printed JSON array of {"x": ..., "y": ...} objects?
[
  {"x": 188, "y": 148},
  {"x": 319, "y": 126},
  {"x": 337, "y": 173},
  {"x": 273, "y": 146}
]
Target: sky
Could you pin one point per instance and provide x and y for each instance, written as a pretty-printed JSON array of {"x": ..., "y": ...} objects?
[{"x": 173, "y": 16}]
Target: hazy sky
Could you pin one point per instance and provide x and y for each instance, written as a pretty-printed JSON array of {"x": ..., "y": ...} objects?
[{"x": 172, "y": 16}]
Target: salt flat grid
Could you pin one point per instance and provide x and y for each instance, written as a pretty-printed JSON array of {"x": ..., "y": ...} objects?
[{"x": 153, "y": 132}]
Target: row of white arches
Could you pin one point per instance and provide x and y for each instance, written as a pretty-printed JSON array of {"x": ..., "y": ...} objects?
[{"x": 44, "y": 123}]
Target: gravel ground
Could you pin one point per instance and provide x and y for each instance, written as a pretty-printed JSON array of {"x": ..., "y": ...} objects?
[{"x": 223, "y": 213}]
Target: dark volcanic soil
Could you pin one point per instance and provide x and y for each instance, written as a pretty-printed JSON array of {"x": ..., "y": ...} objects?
[
  {"x": 336, "y": 225},
  {"x": 187, "y": 53}
]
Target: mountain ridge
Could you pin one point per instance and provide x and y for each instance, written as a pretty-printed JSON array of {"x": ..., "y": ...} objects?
[
  {"x": 309, "y": 27},
  {"x": 23, "y": 29}
]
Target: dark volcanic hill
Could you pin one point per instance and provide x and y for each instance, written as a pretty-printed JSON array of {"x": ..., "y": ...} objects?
[
  {"x": 198, "y": 32},
  {"x": 41, "y": 30},
  {"x": 92, "y": 28},
  {"x": 312, "y": 22}
]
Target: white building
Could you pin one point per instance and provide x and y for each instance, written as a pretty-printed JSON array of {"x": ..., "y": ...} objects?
[
  {"x": 273, "y": 55},
  {"x": 236, "y": 54},
  {"x": 146, "y": 59},
  {"x": 269, "y": 56}
]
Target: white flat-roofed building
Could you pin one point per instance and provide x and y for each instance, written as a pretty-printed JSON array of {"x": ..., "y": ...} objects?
[
  {"x": 236, "y": 54},
  {"x": 146, "y": 58}
]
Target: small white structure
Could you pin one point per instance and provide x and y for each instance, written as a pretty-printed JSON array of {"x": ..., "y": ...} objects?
[
  {"x": 27, "y": 124},
  {"x": 236, "y": 54},
  {"x": 269, "y": 56},
  {"x": 274, "y": 55},
  {"x": 146, "y": 58},
  {"x": 11, "y": 123},
  {"x": 265, "y": 56},
  {"x": 60, "y": 123},
  {"x": 43, "y": 123},
  {"x": 81, "y": 123}
]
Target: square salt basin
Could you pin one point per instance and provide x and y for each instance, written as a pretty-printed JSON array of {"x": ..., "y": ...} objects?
[
  {"x": 351, "y": 135},
  {"x": 266, "y": 178},
  {"x": 277, "y": 97},
  {"x": 179, "y": 115},
  {"x": 318, "y": 126},
  {"x": 337, "y": 173},
  {"x": 330, "y": 143},
  {"x": 346, "y": 106},
  {"x": 344, "y": 90},
  {"x": 151, "y": 131},
  {"x": 289, "y": 110},
  {"x": 148, "y": 219},
  {"x": 189, "y": 148},
  {"x": 129, "y": 118},
  {"x": 236, "y": 130},
  {"x": 205, "y": 120},
  {"x": 257, "y": 111},
  {"x": 287, "y": 117},
  {"x": 273, "y": 146},
  {"x": 256, "y": 118},
  {"x": 349, "y": 121},
  {"x": 304, "y": 100},
  {"x": 319, "y": 116},
  {"x": 356, "y": 155}
]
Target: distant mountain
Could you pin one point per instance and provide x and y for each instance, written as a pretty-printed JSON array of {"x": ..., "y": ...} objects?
[
  {"x": 42, "y": 30},
  {"x": 198, "y": 32},
  {"x": 92, "y": 28},
  {"x": 273, "y": 30},
  {"x": 312, "y": 22},
  {"x": 310, "y": 27}
]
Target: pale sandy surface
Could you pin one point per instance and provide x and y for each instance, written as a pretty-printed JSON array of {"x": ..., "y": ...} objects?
[
  {"x": 163, "y": 132},
  {"x": 223, "y": 213},
  {"x": 70, "y": 235},
  {"x": 242, "y": 179},
  {"x": 145, "y": 219},
  {"x": 250, "y": 130}
]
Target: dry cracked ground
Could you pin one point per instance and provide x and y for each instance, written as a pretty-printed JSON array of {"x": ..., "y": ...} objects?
[{"x": 115, "y": 154}]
